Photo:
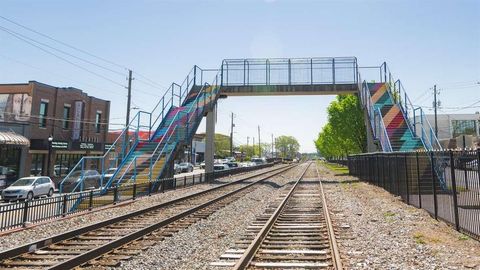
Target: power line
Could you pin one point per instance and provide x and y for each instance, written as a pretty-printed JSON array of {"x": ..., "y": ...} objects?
[
  {"x": 62, "y": 51},
  {"x": 91, "y": 86},
  {"x": 63, "y": 43},
  {"x": 151, "y": 82},
  {"x": 60, "y": 57}
]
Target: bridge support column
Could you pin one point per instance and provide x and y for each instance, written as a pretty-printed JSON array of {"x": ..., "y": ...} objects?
[{"x": 210, "y": 140}]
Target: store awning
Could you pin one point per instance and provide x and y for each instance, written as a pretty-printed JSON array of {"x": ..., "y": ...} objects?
[{"x": 12, "y": 138}]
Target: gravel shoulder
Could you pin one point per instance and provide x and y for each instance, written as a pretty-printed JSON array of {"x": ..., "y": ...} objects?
[
  {"x": 379, "y": 231},
  {"x": 58, "y": 226},
  {"x": 203, "y": 242}
]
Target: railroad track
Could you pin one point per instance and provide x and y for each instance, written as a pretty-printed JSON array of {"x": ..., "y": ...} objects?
[
  {"x": 109, "y": 242},
  {"x": 295, "y": 232}
]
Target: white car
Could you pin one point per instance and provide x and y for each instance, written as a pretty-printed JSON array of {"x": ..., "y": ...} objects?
[
  {"x": 29, "y": 188},
  {"x": 220, "y": 167}
]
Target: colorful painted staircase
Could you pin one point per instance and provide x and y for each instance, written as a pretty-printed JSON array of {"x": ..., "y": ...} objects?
[{"x": 399, "y": 134}]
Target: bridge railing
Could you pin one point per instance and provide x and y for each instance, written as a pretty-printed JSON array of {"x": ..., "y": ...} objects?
[{"x": 289, "y": 71}]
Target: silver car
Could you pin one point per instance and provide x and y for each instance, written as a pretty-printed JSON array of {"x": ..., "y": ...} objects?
[{"x": 29, "y": 188}]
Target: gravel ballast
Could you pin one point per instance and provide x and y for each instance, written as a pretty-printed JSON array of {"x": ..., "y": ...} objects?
[
  {"x": 57, "y": 226},
  {"x": 381, "y": 232},
  {"x": 203, "y": 242}
]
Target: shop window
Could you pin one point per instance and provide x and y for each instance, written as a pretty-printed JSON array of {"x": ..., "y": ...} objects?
[
  {"x": 98, "y": 118},
  {"x": 37, "y": 164},
  {"x": 66, "y": 117},
  {"x": 64, "y": 163},
  {"x": 464, "y": 127},
  {"x": 42, "y": 116},
  {"x": 9, "y": 163}
]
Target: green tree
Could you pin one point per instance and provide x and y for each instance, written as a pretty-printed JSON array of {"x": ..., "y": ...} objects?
[
  {"x": 345, "y": 131},
  {"x": 222, "y": 145},
  {"x": 287, "y": 146}
]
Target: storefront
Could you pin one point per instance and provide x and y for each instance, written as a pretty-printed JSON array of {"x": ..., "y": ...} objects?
[
  {"x": 12, "y": 146},
  {"x": 64, "y": 156}
]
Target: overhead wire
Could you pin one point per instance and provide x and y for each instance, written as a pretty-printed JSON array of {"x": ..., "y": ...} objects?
[{"x": 61, "y": 58}]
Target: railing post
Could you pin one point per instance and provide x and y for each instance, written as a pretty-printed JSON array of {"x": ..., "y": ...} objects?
[
  {"x": 25, "y": 212},
  {"x": 244, "y": 70},
  {"x": 434, "y": 186},
  {"x": 64, "y": 206},
  {"x": 333, "y": 72},
  {"x": 418, "y": 182},
  {"x": 385, "y": 71},
  {"x": 149, "y": 193},
  {"x": 90, "y": 200},
  {"x": 115, "y": 195},
  {"x": 311, "y": 71},
  {"x": 406, "y": 178},
  {"x": 454, "y": 190},
  {"x": 134, "y": 195},
  {"x": 193, "y": 179},
  {"x": 397, "y": 175},
  {"x": 185, "y": 181},
  {"x": 289, "y": 72}
]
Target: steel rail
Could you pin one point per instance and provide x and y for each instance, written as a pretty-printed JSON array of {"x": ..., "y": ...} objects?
[
  {"x": 337, "y": 262},
  {"x": 252, "y": 249},
  {"x": 78, "y": 260}
]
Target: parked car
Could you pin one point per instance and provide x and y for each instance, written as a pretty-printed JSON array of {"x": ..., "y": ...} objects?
[
  {"x": 186, "y": 167},
  {"x": 177, "y": 169},
  {"x": 472, "y": 165},
  {"x": 108, "y": 174},
  {"x": 59, "y": 170},
  {"x": 259, "y": 161},
  {"x": 232, "y": 164},
  {"x": 220, "y": 167},
  {"x": 91, "y": 180},
  {"x": 202, "y": 165},
  {"x": 29, "y": 188}
]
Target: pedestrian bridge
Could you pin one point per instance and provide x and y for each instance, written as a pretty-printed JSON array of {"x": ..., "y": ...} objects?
[
  {"x": 393, "y": 123},
  {"x": 294, "y": 76}
]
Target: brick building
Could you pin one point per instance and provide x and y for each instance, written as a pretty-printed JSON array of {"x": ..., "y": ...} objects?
[{"x": 76, "y": 122}]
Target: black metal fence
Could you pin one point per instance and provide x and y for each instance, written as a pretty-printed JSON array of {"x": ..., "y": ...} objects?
[
  {"x": 445, "y": 183},
  {"x": 18, "y": 214}
]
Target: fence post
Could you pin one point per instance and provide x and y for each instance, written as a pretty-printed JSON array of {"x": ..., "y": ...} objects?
[
  {"x": 149, "y": 188},
  {"x": 90, "y": 200},
  {"x": 25, "y": 212},
  {"x": 406, "y": 178},
  {"x": 185, "y": 181},
  {"x": 434, "y": 186},
  {"x": 418, "y": 182},
  {"x": 454, "y": 189},
  {"x": 115, "y": 195},
  {"x": 193, "y": 180},
  {"x": 64, "y": 206},
  {"x": 134, "y": 195},
  {"x": 397, "y": 175}
]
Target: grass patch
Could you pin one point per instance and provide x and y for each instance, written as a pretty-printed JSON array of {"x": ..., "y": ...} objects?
[
  {"x": 388, "y": 214},
  {"x": 463, "y": 237},
  {"x": 419, "y": 238},
  {"x": 335, "y": 167}
]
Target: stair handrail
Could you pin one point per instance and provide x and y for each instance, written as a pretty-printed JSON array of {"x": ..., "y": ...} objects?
[
  {"x": 81, "y": 162},
  {"x": 189, "y": 115},
  {"x": 382, "y": 133},
  {"x": 401, "y": 98}
]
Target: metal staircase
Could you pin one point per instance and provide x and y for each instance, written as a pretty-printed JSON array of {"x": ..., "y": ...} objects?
[{"x": 170, "y": 125}]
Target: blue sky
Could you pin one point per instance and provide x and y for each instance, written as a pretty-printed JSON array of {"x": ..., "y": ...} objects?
[{"x": 424, "y": 43}]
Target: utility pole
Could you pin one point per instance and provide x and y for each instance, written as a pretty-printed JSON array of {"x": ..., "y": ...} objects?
[
  {"x": 259, "y": 145},
  {"x": 248, "y": 140},
  {"x": 435, "y": 105},
  {"x": 272, "y": 145},
  {"x": 231, "y": 137},
  {"x": 253, "y": 145},
  {"x": 127, "y": 118}
]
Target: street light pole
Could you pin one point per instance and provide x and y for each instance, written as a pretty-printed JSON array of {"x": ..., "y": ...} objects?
[{"x": 50, "y": 140}]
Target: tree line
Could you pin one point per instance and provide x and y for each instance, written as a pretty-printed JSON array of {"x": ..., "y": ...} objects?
[{"x": 344, "y": 132}]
